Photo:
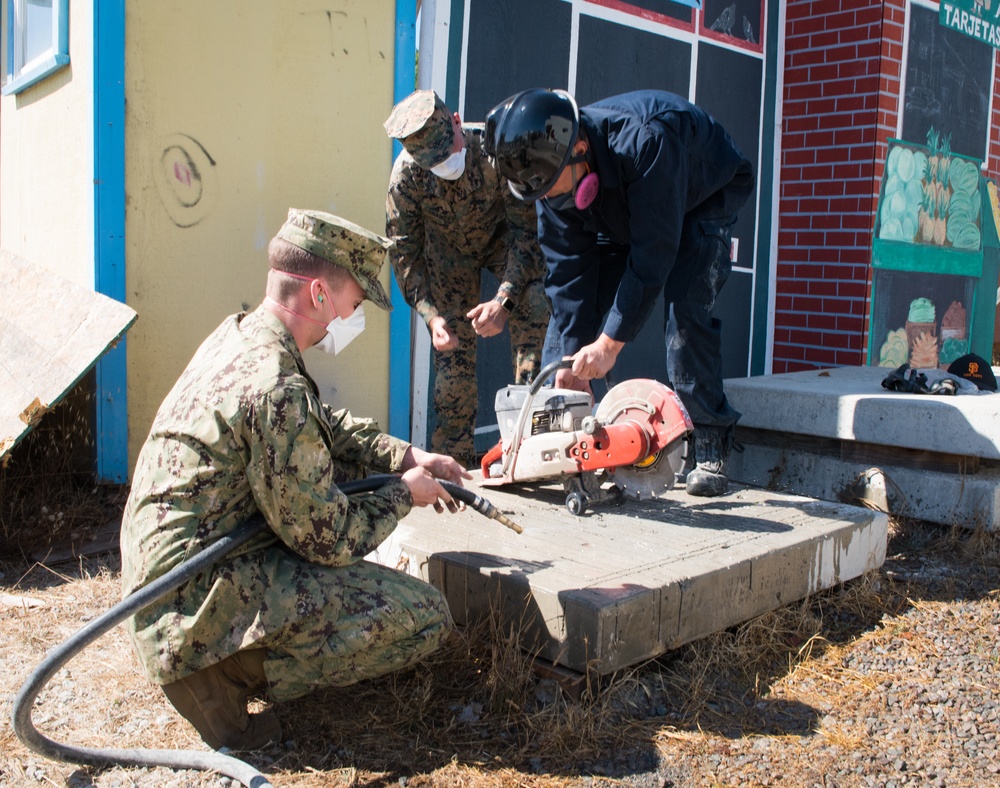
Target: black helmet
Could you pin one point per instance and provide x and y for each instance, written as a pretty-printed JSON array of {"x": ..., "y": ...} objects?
[{"x": 530, "y": 136}]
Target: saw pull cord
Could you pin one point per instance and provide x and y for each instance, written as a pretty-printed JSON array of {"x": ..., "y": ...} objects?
[
  {"x": 133, "y": 603},
  {"x": 522, "y": 418}
]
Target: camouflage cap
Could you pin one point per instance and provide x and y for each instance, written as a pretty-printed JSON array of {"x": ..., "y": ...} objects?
[
  {"x": 423, "y": 124},
  {"x": 342, "y": 243}
]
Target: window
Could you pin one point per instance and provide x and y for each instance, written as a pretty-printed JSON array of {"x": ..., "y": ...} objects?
[{"x": 36, "y": 36}]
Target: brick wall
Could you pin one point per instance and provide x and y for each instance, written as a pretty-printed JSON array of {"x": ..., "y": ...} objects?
[{"x": 841, "y": 87}]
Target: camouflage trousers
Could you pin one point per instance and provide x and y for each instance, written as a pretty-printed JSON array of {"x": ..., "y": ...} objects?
[
  {"x": 379, "y": 620},
  {"x": 455, "y": 390}
]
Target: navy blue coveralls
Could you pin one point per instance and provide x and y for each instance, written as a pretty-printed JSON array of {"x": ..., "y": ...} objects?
[{"x": 671, "y": 182}]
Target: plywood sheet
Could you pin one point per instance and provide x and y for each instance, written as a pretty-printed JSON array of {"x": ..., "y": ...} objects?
[{"x": 52, "y": 332}]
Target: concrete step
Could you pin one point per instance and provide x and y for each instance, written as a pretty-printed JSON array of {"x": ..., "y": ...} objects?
[
  {"x": 620, "y": 585},
  {"x": 838, "y": 435}
]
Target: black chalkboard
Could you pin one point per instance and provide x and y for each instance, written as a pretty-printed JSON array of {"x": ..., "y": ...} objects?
[
  {"x": 729, "y": 89},
  {"x": 949, "y": 77},
  {"x": 515, "y": 45},
  {"x": 615, "y": 58}
]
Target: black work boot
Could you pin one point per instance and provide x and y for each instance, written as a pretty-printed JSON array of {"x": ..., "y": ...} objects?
[
  {"x": 681, "y": 476},
  {"x": 711, "y": 450},
  {"x": 214, "y": 700}
]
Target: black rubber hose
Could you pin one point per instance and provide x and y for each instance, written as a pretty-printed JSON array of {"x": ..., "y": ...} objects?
[{"x": 174, "y": 759}]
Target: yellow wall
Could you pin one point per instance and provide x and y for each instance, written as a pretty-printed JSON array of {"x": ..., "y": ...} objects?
[
  {"x": 47, "y": 163},
  {"x": 237, "y": 110}
]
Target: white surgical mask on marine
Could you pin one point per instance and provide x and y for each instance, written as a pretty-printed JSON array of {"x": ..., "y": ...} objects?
[
  {"x": 340, "y": 332},
  {"x": 451, "y": 169}
]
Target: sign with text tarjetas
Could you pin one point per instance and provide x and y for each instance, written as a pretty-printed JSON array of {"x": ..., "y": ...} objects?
[{"x": 979, "y": 19}]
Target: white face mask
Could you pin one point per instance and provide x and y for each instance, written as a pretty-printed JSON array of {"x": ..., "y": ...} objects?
[
  {"x": 451, "y": 169},
  {"x": 340, "y": 332}
]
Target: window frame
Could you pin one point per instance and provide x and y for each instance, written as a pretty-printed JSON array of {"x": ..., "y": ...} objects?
[{"x": 20, "y": 75}]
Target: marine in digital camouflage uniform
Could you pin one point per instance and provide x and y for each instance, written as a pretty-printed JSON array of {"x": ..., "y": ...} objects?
[
  {"x": 445, "y": 232},
  {"x": 242, "y": 432}
]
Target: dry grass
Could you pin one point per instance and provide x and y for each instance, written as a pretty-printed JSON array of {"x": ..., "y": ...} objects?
[{"x": 475, "y": 714}]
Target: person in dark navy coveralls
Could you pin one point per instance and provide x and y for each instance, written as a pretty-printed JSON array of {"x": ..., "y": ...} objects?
[{"x": 637, "y": 194}]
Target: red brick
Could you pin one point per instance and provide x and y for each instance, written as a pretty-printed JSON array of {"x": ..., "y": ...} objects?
[
  {"x": 807, "y": 271},
  {"x": 786, "y": 239},
  {"x": 824, "y": 39},
  {"x": 843, "y": 54},
  {"x": 801, "y": 57},
  {"x": 869, "y": 50},
  {"x": 813, "y": 205},
  {"x": 841, "y": 86},
  {"x": 821, "y": 288},
  {"x": 807, "y": 304},
  {"x": 804, "y": 156},
  {"x": 824, "y": 72},
  {"x": 849, "y": 323},
  {"x": 847, "y": 173},
  {"x": 819, "y": 172},
  {"x": 789, "y": 352},
  {"x": 805, "y": 26},
  {"x": 822, "y": 107},
  {"x": 804, "y": 124},
  {"x": 835, "y": 341},
  {"x": 800, "y": 91},
  {"x": 851, "y": 289},
  {"x": 795, "y": 287},
  {"x": 823, "y": 254},
  {"x": 822, "y": 356},
  {"x": 804, "y": 337},
  {"x": 791, "y": 176},
  {"x": 855, "y": 221},
  {"x": 793, "y": 320},
  {"x": 795, "y": 221},
  {"x": 814, "y": 238},
  {"x": 819, "y": 139},
  {"x": 821, "y": 322}
]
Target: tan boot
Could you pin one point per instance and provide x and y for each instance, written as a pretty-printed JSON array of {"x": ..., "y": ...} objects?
[{"x": 214, "y": 700}]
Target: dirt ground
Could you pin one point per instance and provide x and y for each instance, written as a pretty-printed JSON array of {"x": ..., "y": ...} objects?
[{"x": 861, "y": 685}]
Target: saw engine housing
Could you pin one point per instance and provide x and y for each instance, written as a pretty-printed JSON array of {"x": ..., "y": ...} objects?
[{"x": 637, "y": 434}]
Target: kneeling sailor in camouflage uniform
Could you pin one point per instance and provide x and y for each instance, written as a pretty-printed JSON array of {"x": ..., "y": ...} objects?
[
  {"x": 451, "y": 215},
  {"x": 243, "y": 432}
]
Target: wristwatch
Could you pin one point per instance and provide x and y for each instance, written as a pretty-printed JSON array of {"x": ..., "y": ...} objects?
[{"x": 505, "y": 302}]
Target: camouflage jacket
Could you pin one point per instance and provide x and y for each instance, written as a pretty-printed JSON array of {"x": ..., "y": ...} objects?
[
  {"x": 436, "y": 222},
  {"x": 243, "y": 431}
]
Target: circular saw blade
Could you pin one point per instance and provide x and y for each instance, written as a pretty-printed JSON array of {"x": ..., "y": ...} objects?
[{"x": 653, "y": 476}]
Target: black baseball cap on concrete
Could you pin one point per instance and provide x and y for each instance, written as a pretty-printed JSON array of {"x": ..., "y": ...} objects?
[{"x": 974, "y": 368}]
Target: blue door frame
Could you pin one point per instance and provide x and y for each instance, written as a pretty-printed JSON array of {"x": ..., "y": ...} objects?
[{"x": 109, "y": 231}]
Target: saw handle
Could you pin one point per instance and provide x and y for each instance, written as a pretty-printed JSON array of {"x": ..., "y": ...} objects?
[
  {"x": 536, "y": 385},
  {"x": 547, "y": 372}
]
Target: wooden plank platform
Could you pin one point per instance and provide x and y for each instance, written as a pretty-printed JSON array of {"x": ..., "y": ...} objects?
[{"x": 622, "y": 584}]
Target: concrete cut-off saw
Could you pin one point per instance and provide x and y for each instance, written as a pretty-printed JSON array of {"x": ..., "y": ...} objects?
[{"x": 637, "y": 436}]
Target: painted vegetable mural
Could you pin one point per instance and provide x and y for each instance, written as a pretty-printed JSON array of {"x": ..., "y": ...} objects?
[{"x": 930, "y": 197}]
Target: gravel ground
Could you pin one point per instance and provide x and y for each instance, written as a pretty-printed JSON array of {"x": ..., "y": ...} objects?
[{"x": 888, "y": 681}]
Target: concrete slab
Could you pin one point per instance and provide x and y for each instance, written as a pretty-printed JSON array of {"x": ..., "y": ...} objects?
[
  {"x": 849, "y": 403},
  {"x": 620, "y": 585},
  {"x": 838, "y": 435}
]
